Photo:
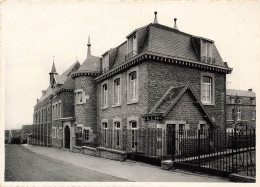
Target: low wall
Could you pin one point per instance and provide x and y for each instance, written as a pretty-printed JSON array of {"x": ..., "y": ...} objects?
[
  {"x": 101, "y": 152},
  {"x": 76, "y": 149},
  {"x": 112, "y": 154},
  {"x": 89, "y": 151}
]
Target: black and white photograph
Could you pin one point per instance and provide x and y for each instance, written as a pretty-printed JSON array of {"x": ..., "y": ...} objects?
[{"x": 128, "y": 91}]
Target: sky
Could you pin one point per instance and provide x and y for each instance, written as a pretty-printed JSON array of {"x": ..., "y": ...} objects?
[{"x": 33, "y": 32}]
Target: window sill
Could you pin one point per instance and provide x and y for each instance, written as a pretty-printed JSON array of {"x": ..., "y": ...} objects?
[
  {"x": 104, "y": 108},
  {"x": 132, "y": 102},
  {"x": 78, "y": 104},
  {"x": 209, "y": 104},
  {"x": 117, "y": 105}
]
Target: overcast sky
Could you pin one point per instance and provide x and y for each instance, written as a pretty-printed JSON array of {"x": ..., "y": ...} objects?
[{"x": 32, "y": 32}]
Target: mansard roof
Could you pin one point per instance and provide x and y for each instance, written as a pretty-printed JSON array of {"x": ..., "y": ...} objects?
[
  {"x": 161, "y": 40},
  {"x": 245, "y": 93},
  {"x": 171, "y": 98}
]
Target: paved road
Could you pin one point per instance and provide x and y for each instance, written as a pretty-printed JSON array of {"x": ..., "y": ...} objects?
[{"x": 22, "y": 164}]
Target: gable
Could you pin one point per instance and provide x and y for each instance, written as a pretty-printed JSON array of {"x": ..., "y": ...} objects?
[{"x": 186, "y": 109}]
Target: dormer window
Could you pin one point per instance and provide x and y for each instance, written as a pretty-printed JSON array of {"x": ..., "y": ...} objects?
[
  {"x": 105, "y": 63},
  {"x": 206, "y": 52},
  {"x": 131, "y": 46}
]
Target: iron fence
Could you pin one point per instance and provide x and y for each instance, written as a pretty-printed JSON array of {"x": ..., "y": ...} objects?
[{"x": 211, "y": 150}]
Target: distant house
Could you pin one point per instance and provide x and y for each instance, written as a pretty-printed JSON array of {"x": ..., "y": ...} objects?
[
  {"x": 241, "y": 108},
  {"x": 25, "y": 131},
  {"x": 14, "y": 136},
  {"x": 6, "y": 136}
]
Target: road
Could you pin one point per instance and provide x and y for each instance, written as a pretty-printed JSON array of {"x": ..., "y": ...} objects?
[{"x": 22, "y": 164}]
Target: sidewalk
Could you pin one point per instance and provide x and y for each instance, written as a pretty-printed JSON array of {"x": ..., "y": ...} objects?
[{"x": 134, "y": 171}]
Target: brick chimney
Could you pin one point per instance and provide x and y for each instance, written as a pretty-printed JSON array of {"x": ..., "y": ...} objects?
[{"x": 250, "y": 90}]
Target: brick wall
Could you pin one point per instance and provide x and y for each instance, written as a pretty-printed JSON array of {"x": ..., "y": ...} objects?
[
  {"x": 162, "y": 76},
  {"x": 125, "y": 110},
  {"x": 86, "y": 113},
  {"x": 186, "y": 110}
]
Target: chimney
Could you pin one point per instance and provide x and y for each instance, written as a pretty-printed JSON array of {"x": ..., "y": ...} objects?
[
  {"x": 155, "y": 17},
  {"x": 250, "y": 90},
  {"x": 175, "y": 24},
  {"x": 37, "y": 100}
]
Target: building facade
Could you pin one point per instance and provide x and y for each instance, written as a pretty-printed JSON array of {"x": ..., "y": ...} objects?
[
  {"x": 241, "y": 108},
  {"x": 160, "y": 77}
]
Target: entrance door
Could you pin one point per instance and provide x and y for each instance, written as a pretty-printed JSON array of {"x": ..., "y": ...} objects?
[
  {"x": 170, "y": 136},
  {"x": 133, "y": 126},
  {"x": 67, "y": 137}
]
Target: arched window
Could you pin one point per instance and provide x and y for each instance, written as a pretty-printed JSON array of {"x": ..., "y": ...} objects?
[
  {"x": 117, "y": 127},
  {"x": 105, "y": 133},
  {"x": 117, "y": 92},
  {"x": 133, "y": 85},
  {"x": 105, "y": 102}
]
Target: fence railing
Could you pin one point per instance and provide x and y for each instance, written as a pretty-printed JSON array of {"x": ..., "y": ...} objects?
[{"x": 230, "y": 152}]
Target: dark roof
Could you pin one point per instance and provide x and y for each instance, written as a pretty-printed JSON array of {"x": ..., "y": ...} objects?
[
  {"x": 91, "y": 63},
  {"x": 63, "y": 80},
  {"x": 160, "y": 39},
  {"x": 171, "y": 97},
  {"x": 244, "y": 93}
]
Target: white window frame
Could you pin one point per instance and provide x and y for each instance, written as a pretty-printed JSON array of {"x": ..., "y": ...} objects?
[
  {"x": 117, "y": 98},
  {"x": 136, "y": 83},
  {"x": 212, "y": 88},
  {"x": 130, "y": 120},
  {"x": 253, "y": 115},
  {"x": 239, "y": 114},
  {"x": 117, "y": 130},
  {"x": 77, "y": 93},
  {"x": 104, "y": 95},
  {"x": 240, "y": 101}
]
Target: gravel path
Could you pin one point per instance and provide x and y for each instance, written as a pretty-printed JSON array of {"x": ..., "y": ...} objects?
[{"x": 23, "y": 165}]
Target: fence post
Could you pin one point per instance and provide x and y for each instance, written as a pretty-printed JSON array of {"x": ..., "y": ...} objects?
[
  {"x": 199, "y": 145},
  {"x": 173, "y": 142}
]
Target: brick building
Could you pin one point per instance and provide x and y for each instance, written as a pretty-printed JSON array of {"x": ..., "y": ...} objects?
[
  {"x": 241, "y": 108},
  {"x": 160, "y": 77}
]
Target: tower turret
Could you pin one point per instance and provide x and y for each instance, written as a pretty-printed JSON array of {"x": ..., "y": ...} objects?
[
  {"x": 52, "y": 73},
  {"x": 86, "y": 97}
]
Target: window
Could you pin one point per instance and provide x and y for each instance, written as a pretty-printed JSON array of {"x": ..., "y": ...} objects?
[
  {"x": 181, "y": 129},
  {"x": 117, "y": 92},
  {"x": 240, "y": 101},
  {"x": 117, "y": 133},
  {"x": 79, "y": 94},
  {"x": 131, "y": 46},
  {"x": 233, "y": 100},
  {"x": 202, "y": 128},
  {"x": 105, "y": 63},
  {"x": 79, "y": 130},
  {"x": 206, "y": 52},
  {"x": 133, "y": 126},
  {"x": 105, "y": 133},
  {"x": 253, "y": 115},
  {"x": 57, "y": 133},
  {"x": 238, "y": 114},
  {"x": 206, "y": 89},
  {"x": 105, "y": 95},
  {"x": 253, "y": 101},
  {"x": 56, "y": 111},
  {"x": 86, "y": 134},
  {"x": 60, "y": 108},
  {"x": 133, "y": 86}
]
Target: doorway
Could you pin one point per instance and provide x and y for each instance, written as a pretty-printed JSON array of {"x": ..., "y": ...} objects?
[
  {"x": 67, "y": 137},
  {"x": 170, "y": 137}
]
